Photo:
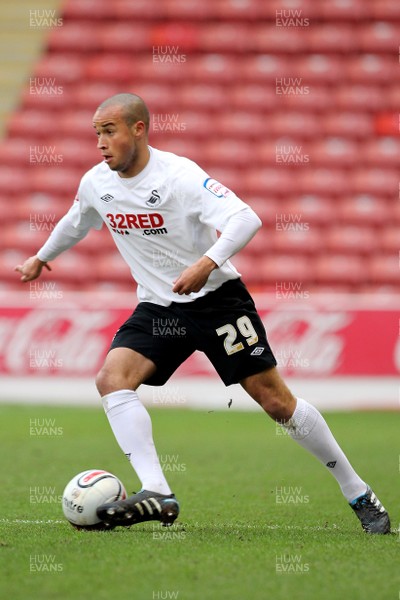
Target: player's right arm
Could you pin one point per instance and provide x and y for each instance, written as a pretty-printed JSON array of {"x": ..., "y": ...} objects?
[{"x": 72, "y": 228}]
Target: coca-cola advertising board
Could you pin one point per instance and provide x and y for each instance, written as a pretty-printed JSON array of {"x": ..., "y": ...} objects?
[{"x": 69, "y": 335}]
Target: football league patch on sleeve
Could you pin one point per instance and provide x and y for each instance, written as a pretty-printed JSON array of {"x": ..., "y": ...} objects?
[{"x": 216, "y": 188}]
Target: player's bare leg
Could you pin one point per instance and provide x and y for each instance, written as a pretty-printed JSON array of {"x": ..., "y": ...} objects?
[
  {"x": 308, "y": 428},
  {"x": 123, "y": 371}
]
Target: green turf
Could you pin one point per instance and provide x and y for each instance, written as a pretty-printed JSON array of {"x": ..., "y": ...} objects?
[{"x": 237, "y": 536}]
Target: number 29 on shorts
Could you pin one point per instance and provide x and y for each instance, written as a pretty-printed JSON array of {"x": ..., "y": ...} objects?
[{"x": 245, "y": 326}]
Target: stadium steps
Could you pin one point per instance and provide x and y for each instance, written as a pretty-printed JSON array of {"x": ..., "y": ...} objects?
[{"x": 21, "y": 43}]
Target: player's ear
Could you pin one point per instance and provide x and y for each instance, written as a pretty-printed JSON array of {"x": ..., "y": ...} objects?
[{"x": 139, "y": 129}]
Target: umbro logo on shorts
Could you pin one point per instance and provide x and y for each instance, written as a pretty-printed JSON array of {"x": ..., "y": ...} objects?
[{"x": 257, "y": 351}]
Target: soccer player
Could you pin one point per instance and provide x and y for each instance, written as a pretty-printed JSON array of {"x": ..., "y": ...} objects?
[{"x": 155, "y": 203}]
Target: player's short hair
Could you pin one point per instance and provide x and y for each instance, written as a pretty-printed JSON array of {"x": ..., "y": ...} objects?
[{"x": 133, "y": 106}]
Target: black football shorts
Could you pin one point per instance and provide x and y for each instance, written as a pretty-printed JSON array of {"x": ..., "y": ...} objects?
[{"x": 223, "y": 324}]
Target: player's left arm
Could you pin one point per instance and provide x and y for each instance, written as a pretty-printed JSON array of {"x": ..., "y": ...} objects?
[{"x": 238, "y": 231}]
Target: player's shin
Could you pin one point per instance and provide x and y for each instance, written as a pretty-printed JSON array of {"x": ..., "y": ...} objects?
[
  {"x": 309, "y": 429},
  {"x": 131, "y": 425}
]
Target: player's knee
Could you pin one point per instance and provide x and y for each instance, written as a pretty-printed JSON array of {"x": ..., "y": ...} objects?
[
  {"x": 108, "y": 381},
  {"x": 280, "y": 408},
  {"x": 276, "y": 400}
]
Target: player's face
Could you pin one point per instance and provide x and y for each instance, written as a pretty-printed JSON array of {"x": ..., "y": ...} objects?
[{"x": 117, "y": 141}]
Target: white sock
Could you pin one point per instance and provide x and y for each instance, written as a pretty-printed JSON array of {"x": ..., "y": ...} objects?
[
  {"x": 309, "y": 429},
  {"x": 131, "y": 425}
]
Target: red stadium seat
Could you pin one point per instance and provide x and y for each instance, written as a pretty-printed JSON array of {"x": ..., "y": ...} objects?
[
  {"x": 379, "y": 181},
  {"x": 371, "y": 68},
  {"x": 315, "y": 98},
  {"x": 281, "y": 268},
  {"x": 392, "y": 97},
  {"x": 77, "y": 124},
  {"x": 229, "y": 10},
  {"x": 294, "y": 235},
  {"x": 80, "y": 154},
  {"x": 381, "y": 36},
  {"x": 65, "y": 68},
  {"x": 318, "y": 211},
  {"x": 198, "y": 97},
  {"x": 75, "y": 37},
  {"x": 41, "y": 210},
  {"x": 229, "y": 152},
  {"x": 25, "y": 236},
  {"x": 225, "y": 37},
  {"x": 89, "y": 10},
  {"x": 384, "y": 268},
  {"x": 252, "y": 97},
  {"x": 71, "y": 269},
  {"x": 180, "y": 145},
  {"x": 323, "y": 181},
  {"x": 15, "y": 152},
  {"x": 351, "y": 239},
  {"x": 384, "y": 152},
  {"x": 335, "y": 152},
  {"x": 9, "y": 259},
  {"x": 395, "y": 211},
  {"x": 270, "y": 39},
  {"x": 347, "y": 124},
  {"x": 261, "y": 68},
  {"x": 242, "y": 124},
  {"x": 294, "y": 124},
  {"x": 269, "y": 181},
  {"x": 112, "y": 268},
  {"x": 46, "y": 94},
  {"x": 56, "y": 180},
  {"x": 321, "y": 68},
  {"x": 32, "y": 124},
  {"x": 187, "y": 10},
  {"x": 385, "y": 9},
  {"x": 159, "y": 97},
  {"x": 14, "y": 180},
  {"x": 212, "y": 68},
  {"x": 331, "y": 37},
  {"x": 363, "y": 209},
  {"x": 337, "y": 10},
  {"x": 86, "y": 96},
  {"x": 389, "y": 240},
  {"x": 366, "y": 97},
  {"x": 340, "y": 268},
  {"x": 119, "y": 68},
  {"x": 126, "y": 37}
]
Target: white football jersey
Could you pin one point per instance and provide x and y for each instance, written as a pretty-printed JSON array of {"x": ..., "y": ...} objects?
[{"x": 162, "y": 220}]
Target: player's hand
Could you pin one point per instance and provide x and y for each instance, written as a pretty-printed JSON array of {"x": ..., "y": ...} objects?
[
  {"x": 195, "y": 277},
  {"x": 31, "y": 268}
]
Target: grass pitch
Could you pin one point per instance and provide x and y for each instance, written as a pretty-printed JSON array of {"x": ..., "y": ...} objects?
[{"x": 260, "y": 517}]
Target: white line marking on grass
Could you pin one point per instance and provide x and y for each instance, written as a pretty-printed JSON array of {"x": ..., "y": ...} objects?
[
  {"x": 28, "y": 522},
  {"x": 272, "y": 527}
]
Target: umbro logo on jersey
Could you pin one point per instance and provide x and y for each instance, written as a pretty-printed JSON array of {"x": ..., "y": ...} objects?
[
  {"x": 154, "y": 199},
  {"x": 257, "y": 351},
  {"x": 331, "y": 464},
  {"x": 107, "y": 197}
]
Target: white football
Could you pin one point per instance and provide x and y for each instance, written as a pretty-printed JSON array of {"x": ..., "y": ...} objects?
[{"x": 85, "y": 493}]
